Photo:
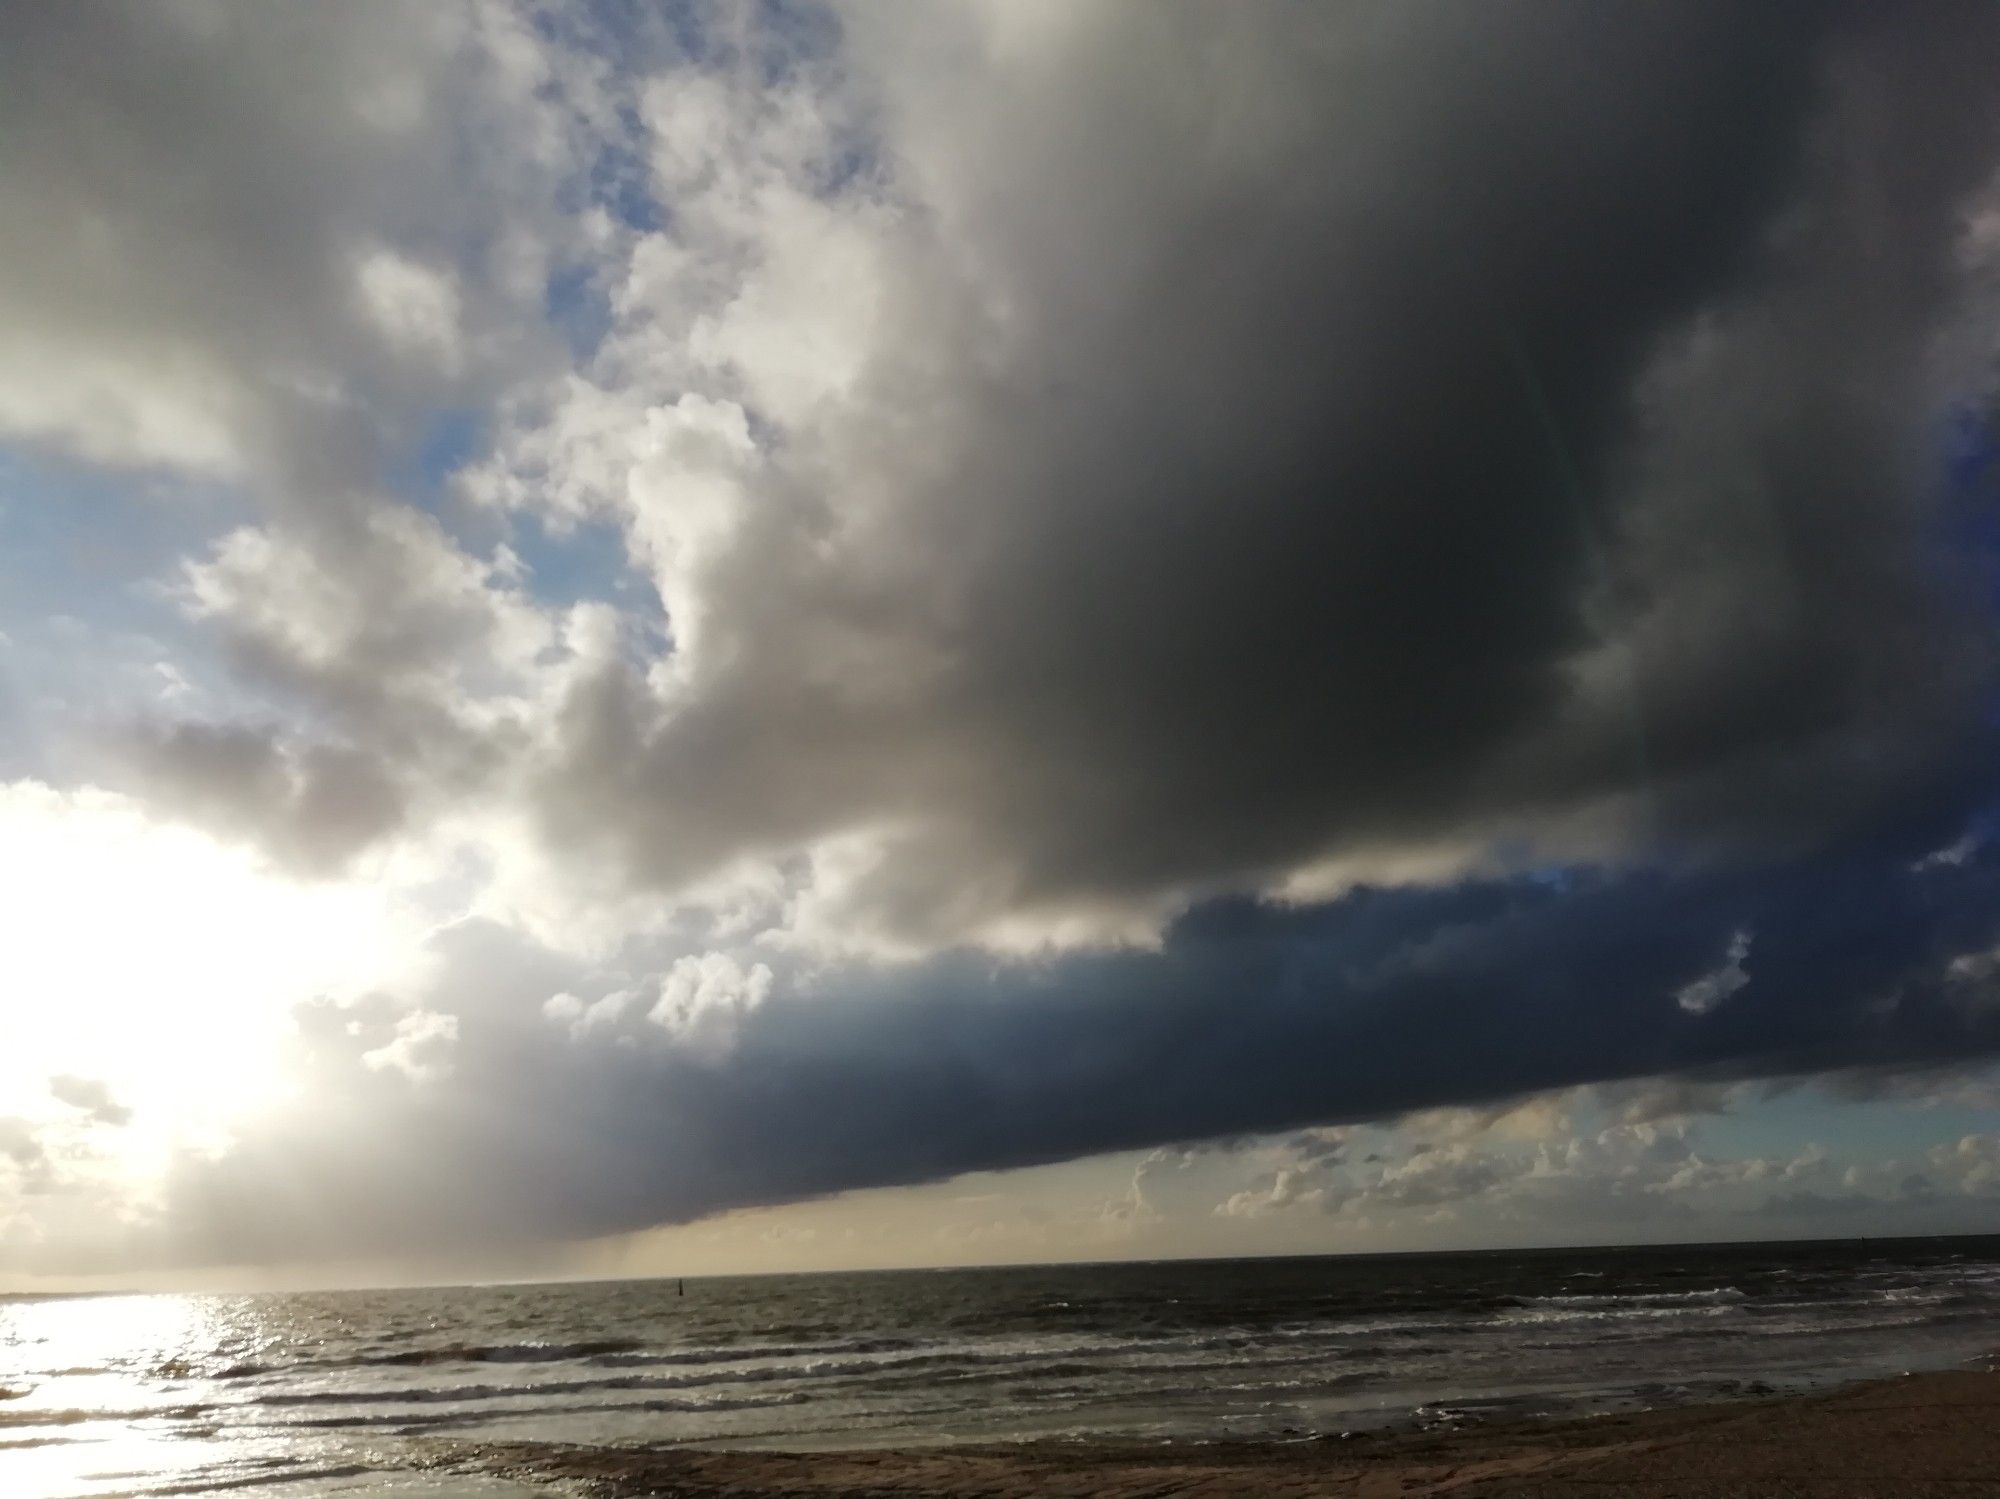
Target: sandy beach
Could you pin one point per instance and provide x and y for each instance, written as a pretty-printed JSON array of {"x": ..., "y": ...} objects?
[{"x": 1910, "y": 1438}]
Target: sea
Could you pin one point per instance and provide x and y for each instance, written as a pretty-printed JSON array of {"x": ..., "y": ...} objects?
[{"x": 369, "y": 1392}]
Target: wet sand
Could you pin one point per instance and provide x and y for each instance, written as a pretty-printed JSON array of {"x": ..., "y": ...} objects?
[{"x": 1919, "y": 1437}]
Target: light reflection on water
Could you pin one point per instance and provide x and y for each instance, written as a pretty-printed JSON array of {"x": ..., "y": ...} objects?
[
  {"x": 352, "y": 1393},
  {"x": 105, "y": 1396},
  {"x": 106, "y": 1411}
]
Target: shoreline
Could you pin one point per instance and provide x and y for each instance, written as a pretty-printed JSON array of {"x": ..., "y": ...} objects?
[{"x": 1920, "y": 1436}]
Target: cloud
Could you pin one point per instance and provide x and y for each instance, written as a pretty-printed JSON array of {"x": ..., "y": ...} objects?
[
  {"x": 1615, "y": 1178},
  {"x": 1452, "y": 1009},
  {"x": 704, "y": 1001},
  {"x": 91, "y": 1096},
  {"x": 1180, "y": 573},
  {"x": 259, "y": 254},
  {"x": 404, "y": 664},
  {"x": 1507, "y": 478},
  {"x": 1972, "y": 1164},
  {"x": 313, "y": 806},
  {"x": 419, "y": 1047},
  {"x": 1030, "y": 570},
  {"x": 21, "y": 1147},
  {"x": 189, "y": 189},
  {"x": 416, "y": 305},
  {"x": 1712, "y": 988}
]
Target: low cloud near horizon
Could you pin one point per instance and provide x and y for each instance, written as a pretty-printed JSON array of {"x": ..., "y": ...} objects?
[{"x": 675, "y": 609}]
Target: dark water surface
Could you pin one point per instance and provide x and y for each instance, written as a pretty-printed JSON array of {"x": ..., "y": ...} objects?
[{"x": 336, "y": 1392}]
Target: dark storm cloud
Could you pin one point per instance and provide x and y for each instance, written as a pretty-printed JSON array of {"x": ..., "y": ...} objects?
[
  {"x": 1255, "y": 1019},
  {"x": 1402, "y": 424},
  {"x": 1250, "y": 1019}
]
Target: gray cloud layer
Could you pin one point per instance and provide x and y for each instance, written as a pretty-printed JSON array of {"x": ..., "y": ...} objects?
[{"x": 1249, "y": 1020}]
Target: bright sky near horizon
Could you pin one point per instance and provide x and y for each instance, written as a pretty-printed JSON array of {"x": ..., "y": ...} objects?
[{"x": 660, "y": 636}]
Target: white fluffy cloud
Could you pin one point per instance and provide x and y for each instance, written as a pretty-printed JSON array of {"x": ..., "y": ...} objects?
[
  {"x": 420, "y": 1047},
  {"x": 704, "y": 999}
]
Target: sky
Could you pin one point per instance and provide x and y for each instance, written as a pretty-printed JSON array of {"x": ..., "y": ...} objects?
[{"x": 664, "y": 638}]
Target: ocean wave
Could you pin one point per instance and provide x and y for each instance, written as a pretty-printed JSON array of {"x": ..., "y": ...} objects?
[
  {"x": 1556, "y": 1315},
  {"x": 806, "y": 1370},
  {"x": 503, "y": 1353},
  {"x": 1637, "y": 1298},
  {"x": 406, "y": 1421},
  {"x": 610, "y": 1352},
  {"x": 1346, "y": 1328},
  {"x": 740, "y": 1353},
  {"x": 24, "y": 1420},
  {"x": 956, "y": 1365},
  {"x": 1916, "y": 1295}
]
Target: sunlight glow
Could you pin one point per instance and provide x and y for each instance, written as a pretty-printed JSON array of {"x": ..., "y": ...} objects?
[{"x": 162, "y": 964}]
